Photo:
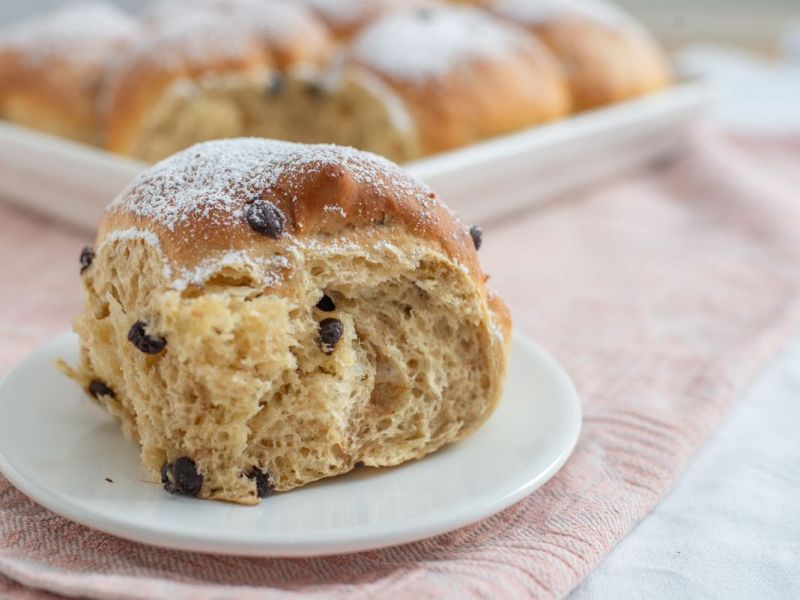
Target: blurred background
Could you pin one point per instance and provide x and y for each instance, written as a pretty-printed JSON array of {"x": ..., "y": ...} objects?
[
  {"x": 765, "y": 25},
  {"x": 759, "y": 24}
]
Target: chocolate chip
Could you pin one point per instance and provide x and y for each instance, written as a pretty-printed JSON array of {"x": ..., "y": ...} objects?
[
  {"x": 326, "y": 304},
  {"x": 264, "y": 485},
  {"x": 276, "y": 84},
  {"x": 98, "y": 388},
  {"x": 109, "y": 480},
  {"x": 315, "y": 89},
  {"x": 146, "y": 343},
  {"x": 181, "y": 477},
  {"x": 185, "y": 477},
  {"x": 359, "y": 465},
  {"x": 330, "y": 331},
  {"x": 266, "y": 218},
  {"x": 87, "y": 256},
  {"x": 476, "y": 233}
]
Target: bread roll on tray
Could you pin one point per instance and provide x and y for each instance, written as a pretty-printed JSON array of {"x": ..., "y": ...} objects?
[{"x": 607, "y": 56}]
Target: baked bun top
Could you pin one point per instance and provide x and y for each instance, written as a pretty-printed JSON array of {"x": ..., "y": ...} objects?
[
  {"x": 205, "y": 33},
  {"x": 81, "y": 32},
  {"x": 346, "y": 17},
  {"x": 255, "y": 201},
  {"x": 189, "y": 40},
  {"x": 607, "y": 55},
  {"x": 463, "y": 73},
  {"x": 62, "y": 56},
  {"x": 421, "y": 45}
]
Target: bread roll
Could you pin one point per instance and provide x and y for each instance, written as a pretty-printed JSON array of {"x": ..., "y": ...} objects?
[
  {"x": 350, "y": 108},
  {"x": 412, "y": 83},
  {"x": 417, "y": 82},
  {"x": 199, "y": 72},
  {"x": 52, "y": 67},
  {"x": 607, "y": 56},
  {"x": 462, "y": 75},
  {"x": 262, "y": 314}
]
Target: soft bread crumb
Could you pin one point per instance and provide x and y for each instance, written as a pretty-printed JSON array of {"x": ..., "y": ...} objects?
[{"x": 243, "y": 382}]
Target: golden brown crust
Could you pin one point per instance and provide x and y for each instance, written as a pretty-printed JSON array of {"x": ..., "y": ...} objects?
[
  {"x": 507, "y": 82},
  {"x": 607, "y": 56},
  {"x": 52, "y": 67},
  {"x": 494, "y": 99},
  {"x": 605, "y": 65},
  {"x": 323, "y": 192},
  {"x": 246, "y": 38},
  {"x": 29, "y": 102}
]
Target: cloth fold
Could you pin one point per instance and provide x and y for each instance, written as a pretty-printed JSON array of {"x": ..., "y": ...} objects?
[{"x": 662, "y": 293}]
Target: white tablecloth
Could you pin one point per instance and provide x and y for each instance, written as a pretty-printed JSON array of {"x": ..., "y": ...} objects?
[{"x": 731, "y": 526}]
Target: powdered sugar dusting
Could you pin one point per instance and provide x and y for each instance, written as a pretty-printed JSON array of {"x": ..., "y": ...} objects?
[
  {"x": 210, "y": 185},
  {"x": 335, "y": 210},
  {"x": 80, "y": 32},
  {"x": 431, "y": 42},
  {"x": 535, "y": 12},
  {"x": 384, "y": 246},
  {"x": 496, "y": 329},
  {"x": 135, "y": 234},
  {"x": 148, "y": 237},
  {"x": 212, "y": 180},
  {"x": 193, "y": 32},
  {"x": 267, "y": 269},
  {"x": 327, "y": 248}
]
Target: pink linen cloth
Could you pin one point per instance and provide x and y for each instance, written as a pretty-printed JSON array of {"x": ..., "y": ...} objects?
[{"x": 662, "y": 293}]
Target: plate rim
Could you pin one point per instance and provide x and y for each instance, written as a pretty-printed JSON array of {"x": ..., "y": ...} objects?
[{"x": 323, "y": 543}]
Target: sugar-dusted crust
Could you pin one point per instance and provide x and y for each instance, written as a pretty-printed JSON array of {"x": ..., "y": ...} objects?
[
  {"x": 216, "y": 38},
  {"x": 52, "y": 67},
  {"x": 196, "y": 201},
  {"x": 463, "y": 74},
  {"x": 607, "y": 55}
]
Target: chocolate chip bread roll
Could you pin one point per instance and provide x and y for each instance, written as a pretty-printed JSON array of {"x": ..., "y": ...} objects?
[
  {"x": 607, "y": 56},
  {"x": 53, "y": 66},
  {"x": 261, "y": 314},
  {"x": 203, "y": 71}
]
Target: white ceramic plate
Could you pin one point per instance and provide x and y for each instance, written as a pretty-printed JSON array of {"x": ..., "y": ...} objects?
[{"x": 59, "y": 448}]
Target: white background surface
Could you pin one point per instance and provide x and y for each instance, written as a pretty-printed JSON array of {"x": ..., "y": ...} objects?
[{"x": 731, "y": 526}]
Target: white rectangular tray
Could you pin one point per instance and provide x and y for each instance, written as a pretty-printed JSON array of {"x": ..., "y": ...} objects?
[{"x": 74, "y": 182}]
